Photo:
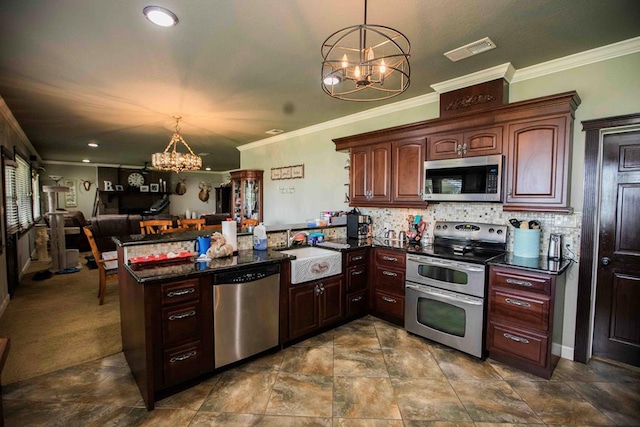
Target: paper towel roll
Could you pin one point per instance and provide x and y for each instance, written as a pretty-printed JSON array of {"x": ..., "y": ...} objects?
[{"x": 230, "y": 233}]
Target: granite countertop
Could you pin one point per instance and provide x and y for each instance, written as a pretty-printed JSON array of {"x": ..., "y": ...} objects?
[
  {"x": 145, "y": 239},
  {"x": 542, "y": 264},
  {"x": 146, "y": 273}
]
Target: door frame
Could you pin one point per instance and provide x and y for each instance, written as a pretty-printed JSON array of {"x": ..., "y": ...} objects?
[{"x": 595, "y": 130}]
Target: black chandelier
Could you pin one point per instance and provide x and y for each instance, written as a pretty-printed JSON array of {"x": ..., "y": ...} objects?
[{"x": 365, "y": 62}]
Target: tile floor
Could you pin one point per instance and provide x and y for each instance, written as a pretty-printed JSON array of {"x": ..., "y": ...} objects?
[{"x": 365, "y": 373}]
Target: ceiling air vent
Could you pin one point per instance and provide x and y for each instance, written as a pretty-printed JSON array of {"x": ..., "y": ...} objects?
[{"x": 470, "y": 49}]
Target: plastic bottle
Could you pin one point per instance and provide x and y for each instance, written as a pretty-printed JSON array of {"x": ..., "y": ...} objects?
[{"x": 260, "y": 237}]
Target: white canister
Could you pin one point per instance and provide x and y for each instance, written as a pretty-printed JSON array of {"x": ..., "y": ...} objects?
[{"x": 230, "y": 233}]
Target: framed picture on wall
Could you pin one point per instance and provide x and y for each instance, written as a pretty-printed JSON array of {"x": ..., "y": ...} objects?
[
  {"x": 144, "y": 188},
  {"x": 275, "y": 173},
  {"x": 285, "y": 173},
  {"x": 71, "y": 196},
  {"x": 154, "y": 188},
  {"x": 297, "y": 171}
]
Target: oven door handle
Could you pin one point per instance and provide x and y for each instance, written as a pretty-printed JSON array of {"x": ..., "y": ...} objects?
[
  {"x": 424, "y": 291},
  {"x": 446, "y": 263}
]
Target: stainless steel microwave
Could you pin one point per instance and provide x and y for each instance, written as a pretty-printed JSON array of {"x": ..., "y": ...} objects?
[{"x": 465, "y": 179}]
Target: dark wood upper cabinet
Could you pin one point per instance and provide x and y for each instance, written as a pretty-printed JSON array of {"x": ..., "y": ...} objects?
[
  {"x": 534, "y": 135},
  {"x": 470, "y": 143},
  {"x": 538, "y": 165},
  {"x": 408, "y": 170},
  {"x": 370, "y": 174}
]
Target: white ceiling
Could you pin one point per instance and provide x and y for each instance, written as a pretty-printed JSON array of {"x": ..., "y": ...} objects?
[{"x": 75, "y": 71}]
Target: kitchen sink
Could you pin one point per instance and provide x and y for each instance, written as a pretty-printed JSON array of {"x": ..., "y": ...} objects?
[{"x": 313, "y": 263}]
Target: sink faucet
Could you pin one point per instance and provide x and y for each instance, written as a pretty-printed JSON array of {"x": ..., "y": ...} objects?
[{"x": 291, "y": 237}]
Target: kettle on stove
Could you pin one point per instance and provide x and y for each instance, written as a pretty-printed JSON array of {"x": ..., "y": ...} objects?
[{"x": 555, "y": 247}]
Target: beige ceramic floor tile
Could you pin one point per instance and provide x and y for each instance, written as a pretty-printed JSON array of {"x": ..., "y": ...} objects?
[
  {"x": 362, "y": 397},
  {"x": 240, "y": 392},
  {"x": 558, "y": 403},
  {"x": 301, "y": 395},
  {"x": 308, "y": 360},
  {"x": 618, "y": 401},
  {"x": 207, "y": 419},
  {"x": 428, "y": 400},
  {"x": 411, "y": 363},
  {"x": 359, "y": 362},
  {"x": 493, "y": 401},
  {"x": 460, "y": 366}
]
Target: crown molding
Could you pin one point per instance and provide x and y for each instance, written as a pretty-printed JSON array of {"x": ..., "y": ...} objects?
[
  {"x": 346, "y": 120},
  {"x": 625, "y": 47},
  {"x": 503, "y": 71}
]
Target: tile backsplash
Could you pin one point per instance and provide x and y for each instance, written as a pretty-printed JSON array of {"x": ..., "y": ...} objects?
[{"x": 567, "y": 225}]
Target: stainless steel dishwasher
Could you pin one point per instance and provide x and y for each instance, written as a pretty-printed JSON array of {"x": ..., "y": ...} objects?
[{"x": 245, "y": 312}]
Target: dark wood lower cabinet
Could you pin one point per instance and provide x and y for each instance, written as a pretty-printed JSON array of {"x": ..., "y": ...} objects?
[
  {"x": 525, "y": 316},
  {"x": 315, "y": 305},
  {"x": 167, "y": 332}
]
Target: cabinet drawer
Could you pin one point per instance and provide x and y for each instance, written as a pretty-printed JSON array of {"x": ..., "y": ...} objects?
[
  {"x": 517, "y": 342},
  {"x": 521, "y": 281},
  {"x": 356, "y": 257},
  {"x": 517, "y": 308},
  {"x": 177, "y": 292},
  {"x": 390, "y": 305},
  {"x": 356, "y": 303},
  {"x": 181, "y": 323},
  {"x": 389, "y": 280},
  {"x": 356, "y": 278},
  {"x": 389, "y": 258},
  {"x": 182, "y": 363}
]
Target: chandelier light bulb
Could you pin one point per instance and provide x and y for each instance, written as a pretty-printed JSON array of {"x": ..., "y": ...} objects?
[
  {"x": 345, "y": 63},
  {"x": 357, "y": 72},
  {"x": 383, "y": 67}
]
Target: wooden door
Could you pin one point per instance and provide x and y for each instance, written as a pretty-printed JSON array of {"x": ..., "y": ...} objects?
[
  {"x": 617, "y": 317},
  {"x": 408, "y": 170}
]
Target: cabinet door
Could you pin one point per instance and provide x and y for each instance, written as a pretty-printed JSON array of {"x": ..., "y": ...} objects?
[
  {"x": 408, "y": 170},
  {"x": 444, "y": 146},
  {"x": 358, "y": 174},
  {"x": 482, "y": 142},
  {"x": 330, "y": 301},
  {"x": 380, "y": 173},
  {"x": 538, "y": 165},
  {"x": 303, "y": 309}
]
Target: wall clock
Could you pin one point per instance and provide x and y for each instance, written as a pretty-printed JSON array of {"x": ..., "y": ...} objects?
[{"x": 135, "y": 179}]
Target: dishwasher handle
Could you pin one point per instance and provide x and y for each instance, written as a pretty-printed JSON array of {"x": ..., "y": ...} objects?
[{"x": 245, "y": 275}]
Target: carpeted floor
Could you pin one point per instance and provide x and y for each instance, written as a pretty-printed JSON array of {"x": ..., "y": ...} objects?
[{"x": 57, "y": 322}]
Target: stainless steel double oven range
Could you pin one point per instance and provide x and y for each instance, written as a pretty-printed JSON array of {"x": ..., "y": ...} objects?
[{"x": 446, "y": 284}]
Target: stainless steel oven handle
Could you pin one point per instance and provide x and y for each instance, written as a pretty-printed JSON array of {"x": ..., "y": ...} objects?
[
  {"x": 424, "y": 291},
  {"x": 438, "y": 262}
]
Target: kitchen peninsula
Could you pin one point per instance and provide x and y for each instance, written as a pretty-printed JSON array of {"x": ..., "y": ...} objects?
[{"x": 167, "y": 315}]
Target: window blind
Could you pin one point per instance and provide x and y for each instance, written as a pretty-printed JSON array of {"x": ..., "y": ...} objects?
[
  {"x": 23, "y": 193},
  {"x": 12, "y": 219}
]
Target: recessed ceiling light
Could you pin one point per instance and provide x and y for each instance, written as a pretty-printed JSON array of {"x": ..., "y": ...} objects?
[
  {"x": 86, "y": 161},
  {"x": 92, "y": 144},
  {"x": 207, "y": 169},
  {"x": 160, "y": 16},
  {"x": 274, "y": 131}
]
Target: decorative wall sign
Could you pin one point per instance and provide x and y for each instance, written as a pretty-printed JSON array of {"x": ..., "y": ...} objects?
[
  {"x": 297, "y": 171},
  {"x": 287, "y": 172},
  {"x": 119, "y": 187},
  {"x": 275, "y": 173},
  {"x": 71, "y": 196},
  {"x": 144, "y": 188}
]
